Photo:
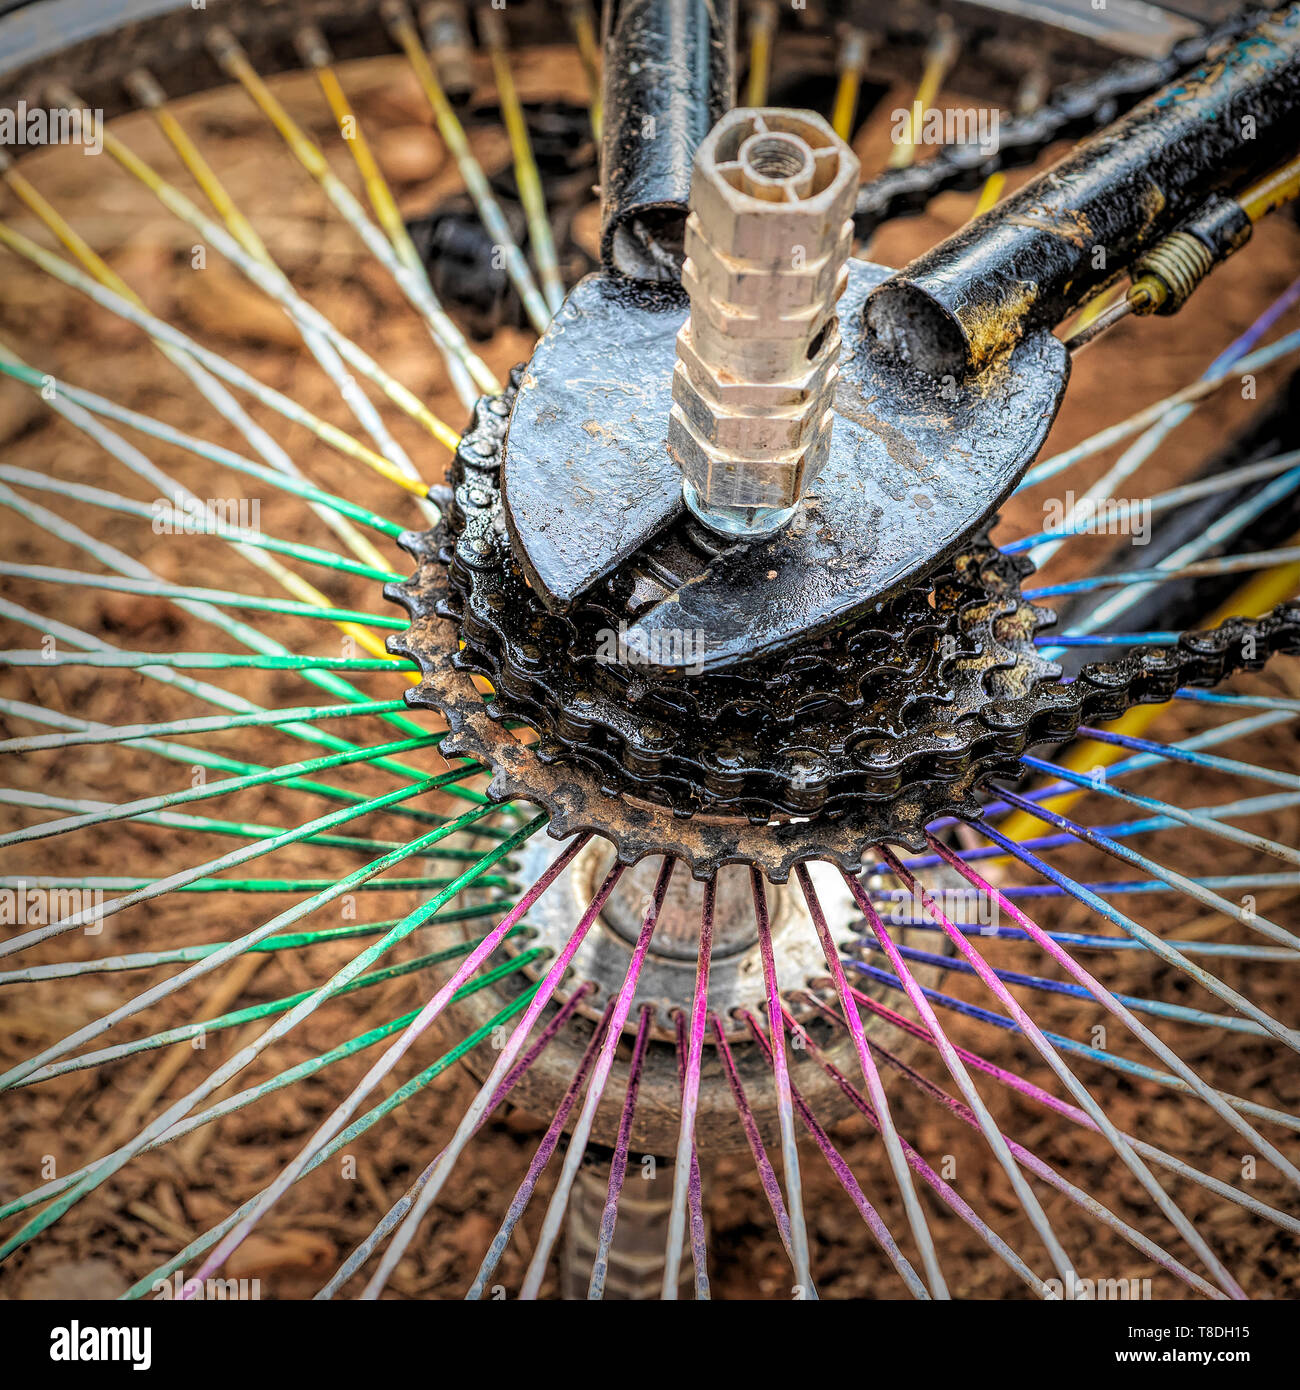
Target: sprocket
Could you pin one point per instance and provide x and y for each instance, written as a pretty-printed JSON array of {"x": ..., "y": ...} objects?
[{"x": 860, "y": 737}]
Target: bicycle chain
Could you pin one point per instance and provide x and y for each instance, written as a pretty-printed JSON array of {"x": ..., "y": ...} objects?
[
  {"x": 1074, "y": 110},
  {"x": 941, "y": 691}
]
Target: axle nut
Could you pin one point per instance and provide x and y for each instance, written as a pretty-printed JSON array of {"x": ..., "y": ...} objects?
[{"x": 767, "y": 243}]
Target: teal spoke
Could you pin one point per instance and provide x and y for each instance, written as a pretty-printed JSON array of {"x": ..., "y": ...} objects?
[
  {"x": 158, "y": 887},
  {"x": 251, "y": 1013},
  {"x": 236, "y": 535},
  {"x": 289, "y": 941},
  {"x": 242, "y": 1099},
  {"x": 203, "y": 661},
  {"x": 223, "y": 699},
  {"x": 358, "y": 1127},
  {"x": 245, "y": 830},
  {"x": 219, "y": 761},
  {"x": 185, "y": 593},
  {"x": 279, "y": 1029},
  {"x": 177, "y": 728},
  {"x": 251, "y": 637},
  {"x": 111, "y": 883},
  {"x": 167, "y": 800}
]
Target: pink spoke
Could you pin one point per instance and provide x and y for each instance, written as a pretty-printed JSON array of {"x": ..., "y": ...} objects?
[
  {"x": 1139, "y": 1030},
  {"x": 1077, "y": 1116},
  {"x": 405, "y": 1233},
  {"x": 541, "y": 1157},
  {"x": 1026, "y": 1157},
  {"x": 621, "y": 1007},
  {"x": 784, "y": 1097},
  {"x": 961, "y": 1076},
  {"x": 618, "y": 1164},
  {"x": 403, "y": 1204},
  {"x": 844, "y": 1173},
  {"x": 766, "y": 1173},
  {"x": 392, "y": 1055},
  {"x": 1071, "y": 1082},
  {"x": 686, "y": 1169},
  {"x": 876, "y": 1090}
]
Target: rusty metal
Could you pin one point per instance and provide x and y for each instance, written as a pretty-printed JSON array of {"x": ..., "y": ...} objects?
[
  {"x": 913, "y": 471},
  {"x": 948, "y": 694},
  {"x": 1075, "y": 228}
]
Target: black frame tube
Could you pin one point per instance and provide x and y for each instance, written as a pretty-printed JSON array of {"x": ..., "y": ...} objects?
[
  {"x": 669, "y": 76},
  {"x": 1044, "y": 251}
]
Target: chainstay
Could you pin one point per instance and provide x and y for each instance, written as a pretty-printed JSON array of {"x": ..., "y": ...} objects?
[{"x": 1072, "y": 111}]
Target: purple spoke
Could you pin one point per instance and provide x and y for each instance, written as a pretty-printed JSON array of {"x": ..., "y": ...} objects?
[
  {"x": 686, "y": 1176},
  {"x": 1076, "y": 1116},
  {"x": 392, "y": 1054},
  {"x": 618, "y": 1164},
  {"x": 1026, "y": 1156},
  {"x": 784, "y": 1097},
  {"x": 1176, "y": 881},
  {"x": 876, "y": 1090},
  {"x": 403, "y": 1204},
  {"x": 514, "y": 1045},
  {"x": 1112, "y": 1005},
  {"x": 843, "y": 1173},
  {"x": 621, "y": 1007},
  {"x": 1076, "y": 1088},
  {"x": 967, "y": 1087},
  {"x": 766, "y": 1173},
  {"x": 541, "y": 1157}
]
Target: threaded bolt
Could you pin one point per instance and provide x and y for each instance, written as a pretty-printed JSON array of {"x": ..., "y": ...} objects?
[{"x": 766, "y": 244}]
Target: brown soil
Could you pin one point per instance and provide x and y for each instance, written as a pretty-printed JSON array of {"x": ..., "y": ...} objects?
[{"x": 140, "y": 1216}]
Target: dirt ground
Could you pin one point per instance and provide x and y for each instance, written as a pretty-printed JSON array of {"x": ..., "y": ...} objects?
[{"x": 143, "y": 1214}]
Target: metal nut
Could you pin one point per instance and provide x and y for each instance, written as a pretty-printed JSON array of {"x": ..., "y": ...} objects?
[{"x": 766, "y": 242}]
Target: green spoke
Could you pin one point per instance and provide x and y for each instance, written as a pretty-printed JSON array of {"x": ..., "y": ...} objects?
[
  {"x": 289, "y": 1077},
  {"x": 252, "y": 638},
  {"x": 156, "y": 588},
  {"x": 167, "y": 800},
  {"x": 231, "y": 949},
  {"x": 345, "y": 1137},
  {"x": 236, "y": 535},
  {"x": 279, "y": 1029},
  {"x": 158, "y": 887},
  {"x": 219, "y": 724},
  {"x": 252, "y": 1013},
  {"x": 290, "y": 941},
  {"x": 213, "y": 453}
]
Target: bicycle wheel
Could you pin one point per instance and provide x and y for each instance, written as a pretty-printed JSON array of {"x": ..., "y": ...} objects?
[{"x": 503, "y": 1023}]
